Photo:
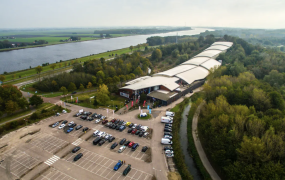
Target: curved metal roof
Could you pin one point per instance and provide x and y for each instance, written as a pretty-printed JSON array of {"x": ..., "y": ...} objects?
[
  {"x": 210, "y": 64},
  {"x": 218, "y": 47},
  {"x": 196, "y": 61},
  {"x": 223, "y": 43},
  {"x": 192, "y": 75},
  {"x": 209, "y": 53},
  {"x": 175, "y": 70}
]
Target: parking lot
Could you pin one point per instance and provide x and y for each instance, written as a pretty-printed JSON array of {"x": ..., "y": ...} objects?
[
  {"x": 103, "y": 166},
  {"x": 54, "y": 174}
]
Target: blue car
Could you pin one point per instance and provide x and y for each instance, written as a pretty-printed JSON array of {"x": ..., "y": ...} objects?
[
  {"x": 69, "y": 130},
  {"x": 122, "y": 128},
  {"x": 118, "y": 165}
]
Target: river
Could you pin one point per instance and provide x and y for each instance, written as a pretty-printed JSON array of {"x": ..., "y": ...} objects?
[
  {"x": 24, "y": 58},
  {"x": 184, "y": 145}
]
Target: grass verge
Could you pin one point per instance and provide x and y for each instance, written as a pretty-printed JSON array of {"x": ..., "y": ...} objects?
[{"x": 144, "y": 118}]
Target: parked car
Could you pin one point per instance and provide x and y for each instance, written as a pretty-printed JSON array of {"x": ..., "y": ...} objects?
[
  {"x": 169, "y": 155},
  {"x": 144, "y": 149},
  {"x": 74, "y": 92},
  {"x": 77, "y": 148},
  {"x": 138, "y": 127},
  {"x": 167, "y": 137},
  {"x": 122, "y": 141},
  {"x": 118, "y": 127},
  {"x": 96, "y": 133},
  {"x": 127, "y": 143},
  {"x": 97, "y": 140},
  {"x": 85, "y": 129},
  {"x": 131, "y": 125},
  {"x": 113, "y": 120},
  {"x": 127, "y": 170},
  {"x": 73, "y": 125},
  {"x": 134, "y": 131},
  {"x": 83, "y": 117},
  {"x": 78, "y": 156},
  {"x": 131, "y": 144},
  {"x": 94, "y": 115},
  {"x": 64, "y": 122},
  {"x": 111, "y": 139},
  {"x": 77, "y": 114},
  {"x": 114, "y": 145},
  {"x": 145, "y": 134},
  {"x": 167, "y": 133},
  {"x": 128, "y": 123},
  {"x": 101, "y": 142},
  {"x": 69, "y": 124},
  {"x": 90, "y": 118},
  {"x": 135, "y": 146},
  {"x": 55, "y": 124},
  {"x": 167, "y": 130},
  {"x": 104, "y": 122},
  {"x": 122, "y": 128},
  {"x": 167, "y": 148},
  {"x": 61, "y": 126},
  {"x": 137, "y": 133},
  {"x": 107, "y": 124},
  {"x": 141, "y": 134},
  {"x": 168, "y": 151},
  {"x": 121, "y": 149},
  {"x": 108, "y": 136},
  {"x": 97, "y": 121},
  {"x": 69, "y": 130},
  {"x": 78, "y": 127},
  {"x": 130, "y": 130},
  {"x": 118, "y": 165}
]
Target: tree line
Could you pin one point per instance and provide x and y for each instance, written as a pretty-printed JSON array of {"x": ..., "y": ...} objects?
[{"x": 243, "y": 121}]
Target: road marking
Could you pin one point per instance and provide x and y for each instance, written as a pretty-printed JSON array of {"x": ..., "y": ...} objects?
[
  {"x": 52, "y": 160},
  {"x": 77, "y": 142}
]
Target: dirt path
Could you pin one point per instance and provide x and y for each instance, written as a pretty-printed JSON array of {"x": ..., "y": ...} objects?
[{"x": 199, "y": 147}]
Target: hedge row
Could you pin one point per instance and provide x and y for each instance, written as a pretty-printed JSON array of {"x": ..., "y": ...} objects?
[
  {"x": 35, "y": 117},
  {"x": 178, "y": 156},
  {"x": 191, "y": 145}
]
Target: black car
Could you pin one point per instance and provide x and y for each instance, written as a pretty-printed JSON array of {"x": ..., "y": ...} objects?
[
  {"x": 138, "y": 127},
  {"x": 78, "y": 127},
  {"x": 121, "y": 122},
  {"x": 168, "y": 133},
  {"x": 114, "y": 126},
  {"x": 144, "y": 149},
  {"x": 122, "y": 141},
  {"x": 191, "y": 91},
  {"x": 111, "y": 139},
  {"x": 94, "y": 115},
  {"x": 131, "y": 125},
  {"x": 101, "y": 142},
  {"x": 90, "y": 118},
  {"x": 114, "y": 145},
  {"x": 85, "y": 129},
  {"x": 168, "y": 125},
  {"x": 77, "y": 148},
  {"x": 78, "y": 156},
  {"x": 167, "y": 148},
  {"x": 83, "y": 117},
  {"x": 64, "y": 122},
  {"x": 167, "y": 130},
  {"x": 137, "y": 133},
  {"x": 74, "y": 92},
  {"x": 73, "y": 125},
  {"x": 111, "y": 125},
  {"x": 127, "y": 170},
  {"x": 141, "y": 134},
  {"x": 118, "y": 127},
  {"x": 97, "y": 140},
  {"x": 127, "y": 143},
  {"x": 130, "y": 130}
]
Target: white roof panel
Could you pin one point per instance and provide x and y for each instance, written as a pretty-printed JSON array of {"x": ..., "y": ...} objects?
[
  {"x": 209, "y": 53},
  {"x": 210, "y": 64},
  {"x": 218, "y": 47},
  {"x": 196, "y": 60},
  {"x": 175, "y": 70},
  {"x": 223, "y": 43},
  {"x": 168, "y": 82},
  {"x": 137, "y": 80},
  {"x": 193, "y": 74}
]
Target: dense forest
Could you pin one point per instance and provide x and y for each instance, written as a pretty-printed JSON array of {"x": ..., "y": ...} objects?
[
  {"x": 141, "y": 31},
  {"x": 242, "y": 123}
]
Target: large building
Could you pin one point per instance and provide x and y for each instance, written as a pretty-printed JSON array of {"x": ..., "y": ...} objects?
[{"x": 170, "y": 85}]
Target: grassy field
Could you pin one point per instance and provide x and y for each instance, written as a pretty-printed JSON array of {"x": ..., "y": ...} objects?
[
  {"x": 29, "y": 72},
  {"x": 85, "y": 101},
  {"x": 23, "y": 113}
]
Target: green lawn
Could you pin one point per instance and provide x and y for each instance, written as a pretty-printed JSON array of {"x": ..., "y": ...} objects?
[
  {"x": 144, "y": 118},
  {"x": 40, "y": 107}
]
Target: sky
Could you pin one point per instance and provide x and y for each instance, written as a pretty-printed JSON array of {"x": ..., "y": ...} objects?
[{"x": 268, "y": 14}]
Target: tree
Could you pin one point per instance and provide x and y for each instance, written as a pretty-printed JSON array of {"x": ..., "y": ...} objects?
[
  {"x": 11, "y": 106},
  {"x": 52, "y": 66},
  {"x": 138, "y": 71},
  {"x": 63, "y": 90},
  {"x": 94, "y": 80},
  {"x": 122, "y": 79},
  {"x": 81, "y": 87},
  {"x": 103, "y": 89},
  {"x": 71, "y": 87},
  {"x": 36, "y": 100},
  {"x": 131, "y": 48},
  {"x": 89, "y": 85},
  {"x": 100, "y": 75},
  {"x": 39, "y": 69},
  {"x": 102, "y": 95},
  {"x": 175, "y": 53},
  {"x": 156, "y": 54},
  {"x": 54, "y": 83},
  {"x": 2, "y": 78}
]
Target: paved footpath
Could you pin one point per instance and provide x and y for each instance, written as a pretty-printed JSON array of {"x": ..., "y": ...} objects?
[{"x": 199, "y": 147}]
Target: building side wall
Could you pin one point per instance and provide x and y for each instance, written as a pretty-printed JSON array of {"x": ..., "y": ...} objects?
[{"x": 163, "y": 88}]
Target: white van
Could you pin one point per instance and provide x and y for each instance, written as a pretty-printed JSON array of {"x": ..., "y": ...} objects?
[
  {"x": 166, "y": 120},
  {"x": 166, "y": 141},
  {"x": 169, "y": 113}
]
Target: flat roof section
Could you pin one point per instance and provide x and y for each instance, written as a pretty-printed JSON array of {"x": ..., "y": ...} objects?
[
  {"x": 168, "y": 82},
  {"x": 209, "y": 53},
  {"x": 161, "y": 96},
  {"x": 218, "y": 47},
  {"x": 196, "y": 61},
  {"x": 210, "y": 64},
  {"x": 192, "y": 75},
  {"x": 175, "y": 70},
  {"x": 223, "y": 43},
  {"x": 137, "y": 80}
]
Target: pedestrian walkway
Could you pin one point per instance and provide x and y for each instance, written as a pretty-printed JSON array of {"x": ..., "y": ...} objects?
[{"x": 52, "y": 160}]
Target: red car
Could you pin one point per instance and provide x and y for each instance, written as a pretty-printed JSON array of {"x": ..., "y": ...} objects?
[
  {"x": 113, "y": 120},
  {"x": 134, "y": 131},
  {"x": 131, "y": 144},
  {"x": 105, "y": 121}
]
